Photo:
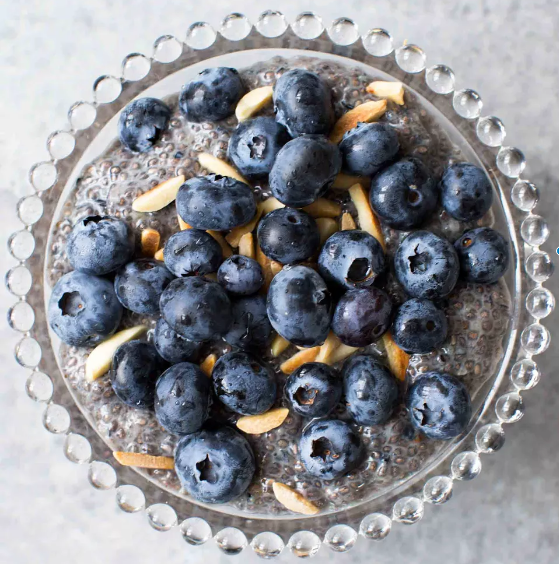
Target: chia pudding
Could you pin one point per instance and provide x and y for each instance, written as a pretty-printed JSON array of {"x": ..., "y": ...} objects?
[{"x": 477, "y": 314}]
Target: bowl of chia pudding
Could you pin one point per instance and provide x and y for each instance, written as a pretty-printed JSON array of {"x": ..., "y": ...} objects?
[{"x": 284, "y": 284}]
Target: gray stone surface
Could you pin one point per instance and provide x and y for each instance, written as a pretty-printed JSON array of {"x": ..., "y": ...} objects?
[{"x": 50, "y": 53}]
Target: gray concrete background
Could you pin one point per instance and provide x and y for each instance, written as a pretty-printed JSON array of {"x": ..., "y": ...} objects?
[{"x": 50, "y": 53}]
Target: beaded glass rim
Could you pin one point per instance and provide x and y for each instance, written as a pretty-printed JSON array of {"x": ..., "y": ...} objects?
[{"x": 531, "y": 303}]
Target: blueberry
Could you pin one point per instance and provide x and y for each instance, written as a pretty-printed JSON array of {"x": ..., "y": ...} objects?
[
  {"x": 99, "y": 245},
  {"x": 484, "y": 255},
  {"x": 142, "y": 123},
  {"x": 215, "y": 202},
  {"x": 139, "y": 285},
  {"x": 426, "y": 265},
  {"x": 182, "y": 399},
  {"x": 214, "y": 465},
  {"x": 212, "y": 96},
  {"x": 240, "y": 275},
  {"x": 171, "y": 346},
  {"x": 439, "y": 405},
  {"x": 304, "y": 169},
  {"x": 192, "y": 251},
  {"x": 370, "y": 390},
  {"x": 303, "y": 103},
  {"x": 135, "y": 369},
  {"x": 288, "y": 235},
  {"x": 299, "y": 306},
  {"x": 404, "y": 195},
  {"x": 419, "y": 326},
  {"x": 196, "y": 308},
  {"x": 251, "y": 327},
  {"x": 368, "y": 147},
  {"x": 351, "y": 259},
  {"x": 254, "y": 145},
  {"x": 83, "y": 309},
  {"x": 329, "y": 449},
  {"x": 466, "y": 192},
  {"x": 243, "y": 384},
  {"x": 313, "y": 390},
  {"x": 362, "y": 316}
]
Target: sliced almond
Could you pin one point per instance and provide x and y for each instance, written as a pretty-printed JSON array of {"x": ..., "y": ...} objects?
[
  {"x": 182, "y": 224},
  {"x": 159, "y": 255},
  {"x": 341, "y": 353},
  {"x": 275, "y": 267},
  {"x": 323, "y": 208},
  {"x": 326, "y": 228},
  {"x": 207, "y": 365},
  {"x": 157, "y": 198},
  {"x": 149, "y": 241},
  {"x": 368, "y": 221},
  {"x": 258, "y": 424},
  {"x": 246, "y": 245},
  {"x": 346, "y": 181},
  {"x": 270, "y": 205},
  {"x": 252, "y": 102},
  {"x": 293, "y": 500},
  {"x": 392, "y": 90},
  {"x": 265, "y": 264},
  {"x": 235, "y": 234},
  {"x": 101, "y": 357},
  {"x": 364, "y": 113},
  {"x": 279, "y": 344},
  {"x": 398, "y": 360},
  {"x": 217, "y": 166},
  {"x": 347, "y": 222},
  {"x": 298, "y": 359},
  {"x": 327, "y": 349},
  {"x": 145, "y": 460},
  {"x": 225, "y": 248}
]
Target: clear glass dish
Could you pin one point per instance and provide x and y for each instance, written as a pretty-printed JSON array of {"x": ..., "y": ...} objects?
[{"x": 91, "y": 128}]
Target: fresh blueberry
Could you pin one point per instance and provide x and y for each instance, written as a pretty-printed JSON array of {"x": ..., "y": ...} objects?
[
  {"x": 351, "y": 259},
  {"x": 99, "y": 245},
  {"x": 182, "y": 399},
  {"x": 370, "y": 390},
  {"x": 362, "y": 316},
  {"x": 484, "y": 255},
  {"x": 196, "y": 308},
  {"x": 419, "y": 326},
  {"x": 303, "y": 103},
  {"x": 139, "y": 285},
  {"x": 288, "y": 235},
  {"x": 142, "y": 122},
  {"x": 171, "y": 346},
  {"x": 368, "y": 147},
  {"x": 331, "y": 448},
  {"x": 251, "y": 327},
  {"x": 254, "y": 145},
  {"x": 426, "y": 265},
  {"x": 135, "y": 369},
  {"x": 304, "y": 169},
  {"x": 466, "y": 192},
  {"x": 299, "y": 306},
  {"x": 192, "y": 251},
  {"x": 243, "y": 384},
  {"x": 83, "y": 309},
  {"x": 212, "y": 96},
  {"x": 404, "y": 195},
  {"x": 240, "y": 275},
  {"x": 439, "y": 405},
  {"x": 313, "y": 390},
  {"x": 215, "y": 202}
]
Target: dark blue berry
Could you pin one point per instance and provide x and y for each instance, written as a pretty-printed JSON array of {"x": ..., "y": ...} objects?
[
  {"x": 192, "y": 251},
  {"x": 300, "y": 306},
  {"x": 484, "y": 255},
  {"x": 251, "y": 327},
  {"x": 439, "y": 405},
  {"x": 288, "y": 235},
  {"x": 171, "y": 346},
  {"x": 83, "y": 309},
  {"x": 240, "y": 275},
  {"x": 404, "y": 195},
  {"x": 426, "y": 265},
  {"x": 142, "y": 123},
  {"x": 212, "y": 96}
]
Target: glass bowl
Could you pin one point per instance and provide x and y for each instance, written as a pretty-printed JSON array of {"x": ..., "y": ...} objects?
[{"x": 91, "y": 128}]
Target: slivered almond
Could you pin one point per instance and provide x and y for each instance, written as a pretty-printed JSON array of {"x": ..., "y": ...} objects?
[
  {"x": 207, "y": 365},
  {"x": 157, "y": 198},
  {"x": 279, "y": 344},
  {"x": 258, "y": 424},
  {"x": 368, "y": 221},
  {"x": 347, "y": 222},
  {"x": 398, "y": 360},
  {"x": 246, "y": 245},
  {"x": 159, "y": 255},
  {"x": 275, "y": 267},
  {"x": 364, "y": 113},
  {"x": 323, "y": 208},
  {"x": 217, "y": 166},
  {"x": 293, "y": 500},
  {"x": 326, "y": 228},
  {"x": 298, "y": 359},
  {"x": 392, "y": 90},
  {"x": 346, "y": 181},
  {"x": 182, "y": 224},
  {"x": 341, "y": 353},
  {"x": 270, "y": 205},
  {"x": 101, "y": 357},
  {"x": 252, "y": 102},
  {"x": 144, "y": 460},
  {"x": 149, "y": 241},
  {"x": 225, "y": 248},
  {"x": 327, "y": 349},
  {"x": 235, "y": 234},
  {"x": 264, "y": 263}
]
